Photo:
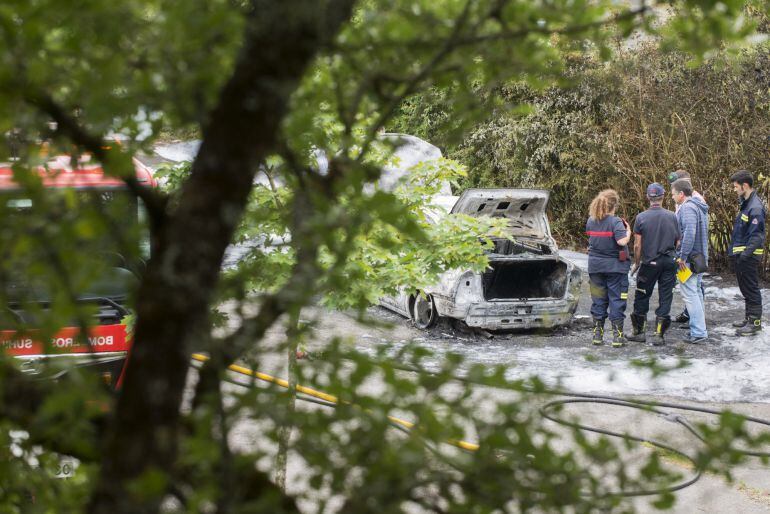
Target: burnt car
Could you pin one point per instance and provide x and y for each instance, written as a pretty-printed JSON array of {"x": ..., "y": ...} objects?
[{"x": 527, "y": 284}]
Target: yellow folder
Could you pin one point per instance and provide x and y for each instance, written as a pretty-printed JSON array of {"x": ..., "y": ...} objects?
[{"x": 683, "y": 275}]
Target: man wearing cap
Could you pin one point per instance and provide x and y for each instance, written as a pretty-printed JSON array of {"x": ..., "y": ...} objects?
[
  {"x": 684, "y": 316},
  {"x": 656, "y": 234},
  {"x": 746, "y": 250}
]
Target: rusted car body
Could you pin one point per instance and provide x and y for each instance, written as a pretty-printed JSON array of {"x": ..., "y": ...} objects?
[{"x": 527, "y": 284}]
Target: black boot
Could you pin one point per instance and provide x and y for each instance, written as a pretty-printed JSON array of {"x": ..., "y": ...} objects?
[
  {"x": 741, "y": 323},
  {"x": 618, "y": 339},
  {"x": 598, "y": 337},
  {"x": 661, "y": 325},
  {"x": 639, "y": 324},
  {"x": 753, "y": 326},
  {"x": 684, "y": 317}
]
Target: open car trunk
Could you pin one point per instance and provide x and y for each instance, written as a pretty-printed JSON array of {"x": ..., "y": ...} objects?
[
  {"x": 525, "y": 279},
  {"x": 524, "y": 210}
]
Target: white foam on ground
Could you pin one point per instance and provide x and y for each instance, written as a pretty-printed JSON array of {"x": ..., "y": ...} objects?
[
  {"x": 741, "y": 379},
  {"x": 737, "y": 370}
]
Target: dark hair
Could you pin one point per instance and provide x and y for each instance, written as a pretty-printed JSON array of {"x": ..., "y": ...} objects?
[
  {"x": 682, "y": 185},
  {"x": 743, "y": 177}
]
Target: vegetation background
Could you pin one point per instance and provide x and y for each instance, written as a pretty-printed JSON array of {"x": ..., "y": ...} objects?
[{"x": 620, "y": 124}]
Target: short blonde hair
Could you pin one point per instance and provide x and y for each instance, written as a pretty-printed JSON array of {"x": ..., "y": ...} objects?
[{"x": 603, "y": 204}]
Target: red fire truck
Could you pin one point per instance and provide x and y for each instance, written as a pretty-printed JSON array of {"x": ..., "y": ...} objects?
[{"x": 107, "y": 340}]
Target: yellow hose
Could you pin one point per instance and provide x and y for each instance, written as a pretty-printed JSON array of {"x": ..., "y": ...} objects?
[{"x": 322, "y": 396}]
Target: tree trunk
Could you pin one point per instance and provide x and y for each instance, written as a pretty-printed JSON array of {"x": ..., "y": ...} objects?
[{"x": 280, "y": 41}]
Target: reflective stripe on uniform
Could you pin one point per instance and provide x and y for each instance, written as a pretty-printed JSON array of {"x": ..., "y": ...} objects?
[
  {"x": 741, "y": 249},
  {"x": 624, "y": 296},
  {"x": 744, "y": 217}
]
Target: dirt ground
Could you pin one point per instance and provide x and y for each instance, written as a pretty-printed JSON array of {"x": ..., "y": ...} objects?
[{"x": 726, "y": 373}]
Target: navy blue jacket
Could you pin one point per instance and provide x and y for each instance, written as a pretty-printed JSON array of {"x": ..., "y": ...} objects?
[
  {"x": 749, "y": 227},
  {"x": 603, "y": 249}
]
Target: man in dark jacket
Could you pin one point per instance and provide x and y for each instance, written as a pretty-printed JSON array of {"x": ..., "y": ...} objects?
[
  {"x": 656, "y": 233},
  {"x": 746, "y": 251}
]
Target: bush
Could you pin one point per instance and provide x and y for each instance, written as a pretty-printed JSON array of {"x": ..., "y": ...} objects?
[{"x": 623, "y": 125}]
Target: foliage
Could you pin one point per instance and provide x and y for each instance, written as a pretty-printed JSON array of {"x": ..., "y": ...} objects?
[
  {"x": 268, "y": 84},
  {"x": 623, "y": 125}
]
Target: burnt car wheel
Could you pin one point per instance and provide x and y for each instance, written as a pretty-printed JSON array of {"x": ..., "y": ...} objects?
[{"x": 424, "y": 313}]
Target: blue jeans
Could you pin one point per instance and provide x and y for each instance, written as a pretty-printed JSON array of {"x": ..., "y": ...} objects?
[{"x": 692, "y": 292}]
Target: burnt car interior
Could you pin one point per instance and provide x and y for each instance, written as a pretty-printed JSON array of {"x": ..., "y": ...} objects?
[
  {"x": 525, "y": 280},
  {"x": 513, "y": 247}
]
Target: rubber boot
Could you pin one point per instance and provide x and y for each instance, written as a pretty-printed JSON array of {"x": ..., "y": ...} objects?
[
  {"x": 661, "y": 325},
  {"x": 753, "y": 326},
  {"x": 741, "y": 323},
  {"x": 639, "y": 325},
  {"x": 618, "y": 339},
  {"x": 598, "y": 337}
]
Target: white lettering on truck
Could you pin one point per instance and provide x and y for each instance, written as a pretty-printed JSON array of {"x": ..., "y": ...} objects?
[
  {"x": 62, "y": 342},
  {"x": 100, "y": 341},
  {"x": 17, "y": 344}
]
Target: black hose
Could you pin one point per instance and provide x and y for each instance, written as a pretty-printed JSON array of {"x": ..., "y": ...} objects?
[
  {"x": 698, "y": 472},
  {"x": 647, "y": 405},
  {"x": 575, "y": 398}
]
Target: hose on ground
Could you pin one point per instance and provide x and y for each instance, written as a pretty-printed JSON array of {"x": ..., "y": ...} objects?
[{"x": 327, "y": 400}]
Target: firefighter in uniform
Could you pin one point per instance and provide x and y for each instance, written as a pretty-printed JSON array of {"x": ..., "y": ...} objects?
[
  {"x": 656, "y": 234},
  {"x": 608, "y": 266},
  {"x": 747, "y": 249}
]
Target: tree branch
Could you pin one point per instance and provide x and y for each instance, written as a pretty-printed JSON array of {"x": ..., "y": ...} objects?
[
  {"x": 280, "y": 40},
  {"x": 409, "y": 89},
  {"x": 570, "y": 29},
  {"x": 21, "y": 401},
  {"x": 67, "y": 126}
]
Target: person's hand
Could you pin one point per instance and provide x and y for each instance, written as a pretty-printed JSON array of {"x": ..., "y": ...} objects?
[
  {"x": 682, "y": 264},
  {"x": 634, "y": 270}
]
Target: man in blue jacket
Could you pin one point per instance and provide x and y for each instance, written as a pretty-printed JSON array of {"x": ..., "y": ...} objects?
[
  {"x": 692, "y": 217},
  {"x": 746, "y": 251},
  {"x": 684, "y": 317}
]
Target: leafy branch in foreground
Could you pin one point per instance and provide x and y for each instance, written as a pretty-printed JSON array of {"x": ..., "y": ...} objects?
[{"x": 270, "y": 83}]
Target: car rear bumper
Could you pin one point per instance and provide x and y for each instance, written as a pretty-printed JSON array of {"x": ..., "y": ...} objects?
[{"x": 511, "y": 315}]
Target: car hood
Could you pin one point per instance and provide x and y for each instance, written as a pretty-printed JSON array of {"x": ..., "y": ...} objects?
[{"x": 524, "y": 209}]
